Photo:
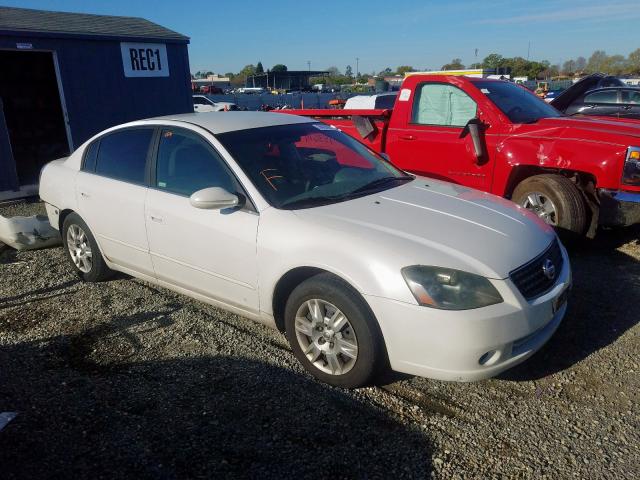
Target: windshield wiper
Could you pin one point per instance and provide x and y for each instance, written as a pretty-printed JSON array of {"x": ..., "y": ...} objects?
[
  {"x": 381, "y": 182},
  {"x": 311, "y": 201}
]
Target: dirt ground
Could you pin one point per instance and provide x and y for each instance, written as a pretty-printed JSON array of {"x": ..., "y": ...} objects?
[{"x": 127, "y": 380}]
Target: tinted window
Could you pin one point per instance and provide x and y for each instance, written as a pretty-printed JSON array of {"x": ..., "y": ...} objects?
[
  {"x": 200, "y": 101},
  {"x": 306, "y": 165},
  {"x": 187, "y": 163},
  {"x": 631, "y": 96},
  {"x": 516, "y": 102},
  {"x": 90, "y": 155},
  {"x": 123, "y": 155},
  {"x": 607, "y": 96},
  {"x": 440, "y": 104}
]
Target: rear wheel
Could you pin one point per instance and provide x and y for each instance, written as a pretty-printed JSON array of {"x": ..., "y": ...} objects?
[
  {"x": 556, "y": 200},
  {"x": 333, "y": 332},
  {"x": 82, "y": 250}
]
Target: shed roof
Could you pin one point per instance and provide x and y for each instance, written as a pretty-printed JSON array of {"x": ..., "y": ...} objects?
[{"x": 82, "y": 24}]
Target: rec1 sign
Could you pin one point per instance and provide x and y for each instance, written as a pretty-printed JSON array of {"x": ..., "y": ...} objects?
[{"x": 144, "y": 59}]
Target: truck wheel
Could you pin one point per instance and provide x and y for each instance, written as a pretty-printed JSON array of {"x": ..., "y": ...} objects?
[
  {"x": 333, "y": 332},
  {"x": 82, "y": 250},
  {"x": 555, "y": 199}
]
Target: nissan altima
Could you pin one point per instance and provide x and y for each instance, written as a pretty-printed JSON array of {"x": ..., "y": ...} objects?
[{"x": 292, "y": 223}]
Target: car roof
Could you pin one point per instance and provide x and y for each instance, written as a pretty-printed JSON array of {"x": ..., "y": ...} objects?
[{"x": 223, "y": 122}]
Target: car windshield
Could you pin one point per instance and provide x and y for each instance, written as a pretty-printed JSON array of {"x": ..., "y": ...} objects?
[
  {"x": 309, "y": 164},
  {"x": 517, "y": 103}
]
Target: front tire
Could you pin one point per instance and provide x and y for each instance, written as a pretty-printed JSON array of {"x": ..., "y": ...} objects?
[
  {"x": 556, "y": 200},
  {"x": 82, "y": 250},
  {"x": 333, "y": 332}
]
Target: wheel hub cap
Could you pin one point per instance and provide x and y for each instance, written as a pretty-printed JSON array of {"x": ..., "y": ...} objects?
[
  {"x": 79, "y": 248},
  {"x": 542, "y": 206},
  {"x": 326, "y": 337}
]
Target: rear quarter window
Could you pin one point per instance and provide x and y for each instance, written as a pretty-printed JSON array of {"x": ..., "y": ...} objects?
[
  {"x": 90, "y": 156},
  {"x": 123, "y": 155}
]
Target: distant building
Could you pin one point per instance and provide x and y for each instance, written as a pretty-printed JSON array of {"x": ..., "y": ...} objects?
[
  {"x": 289, "y": 80},
  {"x": 211, "y": 80},
  {"x": 66, "y": 76}
]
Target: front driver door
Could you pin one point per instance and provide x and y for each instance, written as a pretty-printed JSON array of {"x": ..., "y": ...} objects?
[
  {"x": 211, "y": 252},
  {"x": 435, "y": 143}
]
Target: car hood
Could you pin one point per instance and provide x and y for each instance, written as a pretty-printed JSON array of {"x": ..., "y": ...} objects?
[
  {"x": 594, "y": 129},
  {"x": 436, "y": 223},
  {"x": 569, "y": 95}
]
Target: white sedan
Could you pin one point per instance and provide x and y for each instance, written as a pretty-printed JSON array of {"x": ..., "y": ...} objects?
[
  {"x": 294, "y": 224},
  {"x": 202, "y": 104}
]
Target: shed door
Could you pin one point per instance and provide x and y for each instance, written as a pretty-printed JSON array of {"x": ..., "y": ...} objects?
[{"x": 32, "y": 110}]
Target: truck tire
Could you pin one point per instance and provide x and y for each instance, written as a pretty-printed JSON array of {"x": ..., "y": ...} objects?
[{"x": 556, "y": 200}]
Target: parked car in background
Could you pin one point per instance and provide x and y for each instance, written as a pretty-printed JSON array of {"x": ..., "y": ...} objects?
[
  {"x": 203, "y": 104},
  {"x": 380, "y": 100},
  {"x": 599, "y": 95},
  {"x": 496, "y": 136},
  {"x": 211, "y": 90},
  {"x": 292, "y": 223}
]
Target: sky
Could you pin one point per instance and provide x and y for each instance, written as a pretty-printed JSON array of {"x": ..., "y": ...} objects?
[{"x": 225, "y": 36}]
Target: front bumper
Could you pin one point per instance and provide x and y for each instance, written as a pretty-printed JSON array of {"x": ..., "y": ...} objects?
[
  {"x": 470, "y": 345},
  {"x": 619, "y": 208}
]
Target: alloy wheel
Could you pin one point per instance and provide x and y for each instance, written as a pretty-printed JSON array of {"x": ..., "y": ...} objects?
[
  {"x": 542, "y": 206},
  {"x": 326, "y": 337},
  {"x": 79, "y": 248}
]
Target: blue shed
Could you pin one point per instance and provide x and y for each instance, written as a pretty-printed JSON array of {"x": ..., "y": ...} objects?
[{"x": 66, "y": 76}]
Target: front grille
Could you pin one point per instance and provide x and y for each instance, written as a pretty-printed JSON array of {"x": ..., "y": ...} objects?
[{"x": 531, "y": 279}]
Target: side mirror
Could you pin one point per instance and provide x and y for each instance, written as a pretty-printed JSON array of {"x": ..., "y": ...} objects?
[
  {"x": 213, "y": 198},
  {"x": 476, "y": 130}
]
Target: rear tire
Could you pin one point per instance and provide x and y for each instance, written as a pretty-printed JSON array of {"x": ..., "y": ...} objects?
[
  {"x": 556, "y": 200},
  {"x": 333, "y": 332},
  {"x": 82, "y": 250}
]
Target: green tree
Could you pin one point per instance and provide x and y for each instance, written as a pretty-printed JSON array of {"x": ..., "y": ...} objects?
[
  {"x": 386, "y": 72},
  {"x": 401, "y": 70},
  {"x": 259, "y": 68},
  {"x": 581, "y": 64},
  {"x": 279, "y": 68},
  {"x": 597, "y": 61},
  {"x": 455, "y": 64},
  {"x": 348, "y": 72},
  {"x": 615, "y": 65},
  {"x": 633, "y": 62},
  {"x": 493, "y": 60}
]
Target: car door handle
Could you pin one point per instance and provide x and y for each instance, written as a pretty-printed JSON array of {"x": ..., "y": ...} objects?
[
  {"x": 156, "y": 219},
  {"x": 407, "y": 137}
]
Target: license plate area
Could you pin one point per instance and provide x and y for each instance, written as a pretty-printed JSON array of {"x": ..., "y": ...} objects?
[{"x": 561, "y": 299}]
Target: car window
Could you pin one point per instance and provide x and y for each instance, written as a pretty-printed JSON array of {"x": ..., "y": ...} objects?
[
  {"x": 608, "y": 96},
  {"x": 308, "y": 164},
  {"x": 439, "y": 104},
  {"x": 631, "y": 96},
  {"x": 90, "y": 156},
  {"x": 187, "y": 163},
  {"x": 123, "y": 155},
  {"x": 515, "y": 101},
  {"x": 200, "y": 101}
]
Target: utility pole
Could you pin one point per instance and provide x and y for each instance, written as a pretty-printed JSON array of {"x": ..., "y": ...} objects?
[
  {"x": 309, "y": 64},
  {"x": 357, "y": 68},
  {"x": 528, "y": 50}
]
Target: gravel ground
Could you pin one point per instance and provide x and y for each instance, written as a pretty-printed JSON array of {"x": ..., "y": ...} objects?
[{"x": 124, "y": 379}]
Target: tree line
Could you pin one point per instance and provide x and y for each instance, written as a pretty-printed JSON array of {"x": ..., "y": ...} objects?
[{"x": 599, "y": 61}]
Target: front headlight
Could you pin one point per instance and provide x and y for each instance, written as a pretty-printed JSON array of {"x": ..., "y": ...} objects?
[
  {"x": 631, "y": 172},
  {"x": 449, "y": 289}
]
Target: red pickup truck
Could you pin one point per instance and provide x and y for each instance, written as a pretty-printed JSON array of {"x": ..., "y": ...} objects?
[{"x": 575, "y": 172}]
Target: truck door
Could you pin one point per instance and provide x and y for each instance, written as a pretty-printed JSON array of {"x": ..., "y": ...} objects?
[{"x": 434, "y": 141}]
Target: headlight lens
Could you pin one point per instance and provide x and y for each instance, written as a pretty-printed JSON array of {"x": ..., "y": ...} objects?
[
  {"x": 449, "y": 289},
  {"x": 631, "y": 173}
]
